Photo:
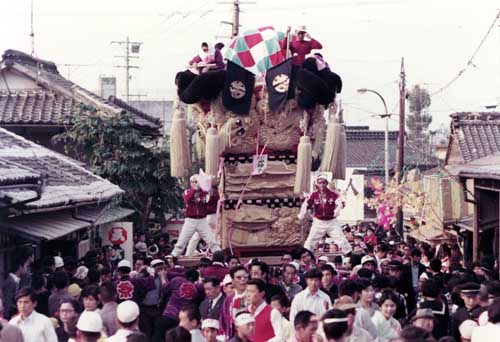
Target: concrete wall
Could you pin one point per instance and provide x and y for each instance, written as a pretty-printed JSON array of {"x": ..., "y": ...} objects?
[{"x": 162, "y": 110}]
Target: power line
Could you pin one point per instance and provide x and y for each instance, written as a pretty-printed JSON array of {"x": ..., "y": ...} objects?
[{"x": 471, "y": 60}]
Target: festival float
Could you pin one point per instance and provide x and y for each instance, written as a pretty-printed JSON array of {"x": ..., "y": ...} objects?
[{"x": 262, "y": 127}]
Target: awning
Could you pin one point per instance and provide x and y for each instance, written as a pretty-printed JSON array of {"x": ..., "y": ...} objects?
[
  {"x": 54, "y": 225},
  {"x": 427, "y": 234}
]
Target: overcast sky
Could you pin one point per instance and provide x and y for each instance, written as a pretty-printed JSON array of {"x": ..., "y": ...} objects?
[{"x": 363, "y": 42}]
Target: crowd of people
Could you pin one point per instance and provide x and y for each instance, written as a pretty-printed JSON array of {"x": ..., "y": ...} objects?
[{"x": 383, "y": 290}]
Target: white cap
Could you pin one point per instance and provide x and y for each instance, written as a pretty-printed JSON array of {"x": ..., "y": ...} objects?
[
  {"x": 210, "y": 323},
  {"x": 90, "y": 321},
  {"x": 156, "y": 262},
  {"x": 324, "y": 258},
  {"x": 244, "y": 318},
  {"x": 296, "y": 265},
  {"x": 466, "y": 328},
  {"x": 367, "y": 258},
  {"x": 227, "y": 280},
  {"x": 301, "y": 28},
  {"x": 124, "y": 263},
  {"x": 58, "y": 261},
  {"x": 127, "y": 311}
]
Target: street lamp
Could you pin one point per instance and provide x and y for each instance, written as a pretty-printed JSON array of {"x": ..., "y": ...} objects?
[{"x": 386, "y": 116}]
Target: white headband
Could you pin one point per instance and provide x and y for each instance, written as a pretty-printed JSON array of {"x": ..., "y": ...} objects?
[
  {"x": 243, "y": 319},
  {"x": 335, "y": 320}
]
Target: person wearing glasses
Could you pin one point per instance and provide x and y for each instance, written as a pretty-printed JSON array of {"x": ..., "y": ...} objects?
[{"x": 234, "y": 302}]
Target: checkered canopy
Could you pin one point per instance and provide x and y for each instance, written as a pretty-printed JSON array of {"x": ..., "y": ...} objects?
[{"x": 257, "y": 50}]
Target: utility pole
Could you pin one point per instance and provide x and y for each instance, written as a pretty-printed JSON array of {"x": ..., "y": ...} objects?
[
  {"x": 235, "y": 24},
  {"x": 135, "y": 49},
  {"x": 401, "y": 139}
]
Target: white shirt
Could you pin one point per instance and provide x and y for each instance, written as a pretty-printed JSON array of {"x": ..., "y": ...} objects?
[
  {"x": 487, "y": 333},
  {"x": 35, "y": 328},
  {"x": 120, "y": 336},
  {"x": 215, "y": 300},
  {"x": 277, "y": 322},
  {"x": 16, "y": 278},
  {"x": 196, "y": 335},
  {"x": 317, "y": 303}
]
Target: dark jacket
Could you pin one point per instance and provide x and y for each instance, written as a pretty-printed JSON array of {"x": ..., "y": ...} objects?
[
  {"x": 441, "y": 317},
  {"x": 9, "y": 289},
  {"x": 461, "y": 315},
  {"x": 207, "y": 312}
]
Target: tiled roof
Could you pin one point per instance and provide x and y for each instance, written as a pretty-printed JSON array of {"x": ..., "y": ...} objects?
[
  {"x": 45, "y": 73},
  {"x": 477, "y": 134},
  {"x": 366, "y": 149},
  {"x": 36, "y": 107},
  {"x": 65, "y": 182},
  {"x": 12, "y": 173}
]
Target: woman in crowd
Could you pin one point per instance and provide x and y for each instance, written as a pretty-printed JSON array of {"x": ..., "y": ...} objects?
[{"x": 388, "y": 328}]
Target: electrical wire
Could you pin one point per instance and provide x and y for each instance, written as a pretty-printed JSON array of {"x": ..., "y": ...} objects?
[{"x": 471, "y": 60}]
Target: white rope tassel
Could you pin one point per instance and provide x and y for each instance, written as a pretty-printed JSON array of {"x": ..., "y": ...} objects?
[
  {"x": 212, "y": 150},
  {"x": 304, "y": 160},
  {"x": 180, "y": 159},
  {"x": 334, "y": 156}
]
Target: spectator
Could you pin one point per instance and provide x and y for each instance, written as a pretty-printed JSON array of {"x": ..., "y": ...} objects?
[
  {"x": 245, "y": 327},
  {"x": 387, "y": 327},
  {"x": 150, "y": 306},
  {"x": 235, "y": 302},
  {"x": 189, "y": 319},
  {"x": 367, "y": 297},
  {"x": 42, "y": 295},
  {"x": 469, "y": 293},
  {"x": 424, "y": 318},
  {"x": 268, "y": 321},
  {"x": 69, "y": 310},
  {"x": 107, "y": 296},
  {"x": 335, "y": 325},
  {"x": 353, "y": 333},
  {"x": 490, "y": 331},
  {"x": 127, "y": 314},
  {"x": 177, "y": 334},
  {"x": 432, "y": 300},
  {"x": 305, "y": 327},
  {"x": 282, "y": 304},
  {"x": 311, "y": 298},
  {"x": 90, "y": 297},
  {"x": 217, "y": 269},
  {"x": 328, "y": 285},
  {"x": 8, "y": 332},
  {"x": 180, "y": 291},
  {"x": 60, "y": 281},
  {"x": 232, "y": 261},
  {"x": 209, "y": 329},
  {"x": 34, "y": 326},
  {"x": 89, "y": 327},
  {"x": 11, "y": 286},
  {"x": 214, "y": 298},
  {"x": 288, "y": 283},
  {"x": 260, "y": 270}
]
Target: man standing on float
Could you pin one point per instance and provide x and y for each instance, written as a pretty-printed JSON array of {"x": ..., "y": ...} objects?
[
  {"x": 196, "y": 201},
  {"x": 324, "y": 202}
]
